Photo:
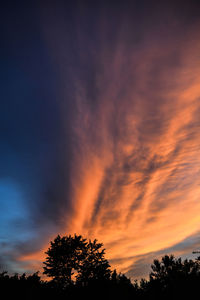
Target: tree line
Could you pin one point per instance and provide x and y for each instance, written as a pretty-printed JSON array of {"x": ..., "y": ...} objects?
[{"x": 77, "y": 268}]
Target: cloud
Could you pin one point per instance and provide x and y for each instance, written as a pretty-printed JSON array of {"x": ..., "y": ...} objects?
[
  {"x": 122, "y": 163},
  {"x": 138, "y": 147},
  {"x": 141, "y": 266}
]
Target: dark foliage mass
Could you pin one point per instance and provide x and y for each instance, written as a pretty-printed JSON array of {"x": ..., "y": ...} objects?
[
  {"x": 79, "y": 270},
  {"x": 73, "y": 260}
]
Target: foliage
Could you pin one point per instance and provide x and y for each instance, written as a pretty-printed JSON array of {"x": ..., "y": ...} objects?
[
  {"x": 170, "y": 267},
  {"x": 173, "y": 277},
  {"x": 79, "y": 270},
  {"x": 72, "y": 259},
  {"x": 27, "y": 287},
  {"x": 94, "y": 266}
]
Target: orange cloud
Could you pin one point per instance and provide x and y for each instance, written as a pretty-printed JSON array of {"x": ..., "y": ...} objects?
[
  {"x": 136, "y": 161},
  {"x": 139, "y": 191}
]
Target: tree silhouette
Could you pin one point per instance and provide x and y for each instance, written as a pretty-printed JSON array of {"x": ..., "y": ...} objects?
[
  {"x": 72, "y": 259},
  {"x": 94, "y": 266},
  {"x": 64, "y": 257},
  {"x": 170, "y": 267},
  {"x": 76, "y": 260},
  {"x": 174, "y": 277}
]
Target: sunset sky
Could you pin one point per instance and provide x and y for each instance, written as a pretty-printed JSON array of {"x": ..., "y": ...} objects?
[{"x": 100, "y": 129}]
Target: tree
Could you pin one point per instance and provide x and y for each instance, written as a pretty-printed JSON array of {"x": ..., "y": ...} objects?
[
  {"x": 120, "y": 279},
  {"x": 72, "y": 259},
  {"x": 94, "y": 265},
  {"x": 170, "y": 267},
  {"x": 174, "y": 277},
  {"x": 64, "y": 257}
]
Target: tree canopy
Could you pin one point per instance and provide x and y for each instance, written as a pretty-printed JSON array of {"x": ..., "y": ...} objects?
[
  {"x": 79, "y": 269},
  {"x": 73, "y": 259},
  {"x": 172, "y": 276}
]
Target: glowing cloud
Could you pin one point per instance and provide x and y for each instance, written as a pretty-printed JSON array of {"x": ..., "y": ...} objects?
[
  {"x": 131, "y": 103},
  {"x": 136, "y": 166}
]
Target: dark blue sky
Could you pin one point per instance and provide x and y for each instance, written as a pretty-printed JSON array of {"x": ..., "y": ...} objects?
[{"x": 30, "y": 127}]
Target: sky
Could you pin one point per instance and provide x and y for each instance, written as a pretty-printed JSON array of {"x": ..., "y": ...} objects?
[{"x": 100, "y": 129}]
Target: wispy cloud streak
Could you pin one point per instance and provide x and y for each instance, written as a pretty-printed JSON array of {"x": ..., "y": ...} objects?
[{"x": 136, "y": 166}]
